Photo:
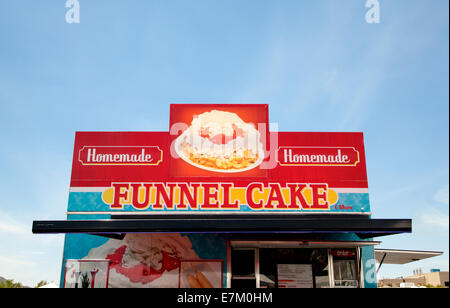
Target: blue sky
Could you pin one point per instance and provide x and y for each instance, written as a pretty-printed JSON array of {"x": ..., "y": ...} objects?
[{"x": 318, "y": 65}]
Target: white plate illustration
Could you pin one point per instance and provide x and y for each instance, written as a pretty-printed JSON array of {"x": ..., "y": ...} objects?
[{"x": 181, "y": 154}]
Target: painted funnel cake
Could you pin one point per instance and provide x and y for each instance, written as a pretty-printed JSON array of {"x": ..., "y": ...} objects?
[
  {"x": 220, "y": 141},
  {"x": 145, "y": 260}
]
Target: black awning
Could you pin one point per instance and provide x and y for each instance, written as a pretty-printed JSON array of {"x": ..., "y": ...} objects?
[{"x": 118, "y": 224}]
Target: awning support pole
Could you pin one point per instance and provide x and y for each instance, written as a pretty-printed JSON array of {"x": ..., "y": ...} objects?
[{"x": 381, "y": 263}]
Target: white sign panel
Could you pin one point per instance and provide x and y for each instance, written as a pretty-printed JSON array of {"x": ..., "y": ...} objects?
[{"x": 295, "y": 276}]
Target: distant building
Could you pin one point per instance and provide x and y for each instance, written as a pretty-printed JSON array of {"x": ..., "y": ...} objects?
[{"x": 435, "y": 279}]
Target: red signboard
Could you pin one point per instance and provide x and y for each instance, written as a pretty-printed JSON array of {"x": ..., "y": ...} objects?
[
  {"x": 343, "y": 253},
  {"x": 220, "y": 158},
  {"x": 224, "y": 139}
]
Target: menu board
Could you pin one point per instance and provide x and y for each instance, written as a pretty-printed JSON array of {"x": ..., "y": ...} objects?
[{"x": 295, "y": 276}]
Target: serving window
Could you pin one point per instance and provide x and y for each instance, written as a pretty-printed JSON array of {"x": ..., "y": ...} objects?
[
  {"x": 288, "y": 265},
  {"x": 293, "y": 267}
]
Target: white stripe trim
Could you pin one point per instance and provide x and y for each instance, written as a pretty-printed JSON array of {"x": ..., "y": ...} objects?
[
  {"x": 351, "y": 190},
  {"x": 88, "y": 189},
  {"x": 215, "y": 212}
]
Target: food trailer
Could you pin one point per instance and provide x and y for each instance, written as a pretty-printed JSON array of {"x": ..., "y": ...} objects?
[{"x": 222, "y": 200}]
